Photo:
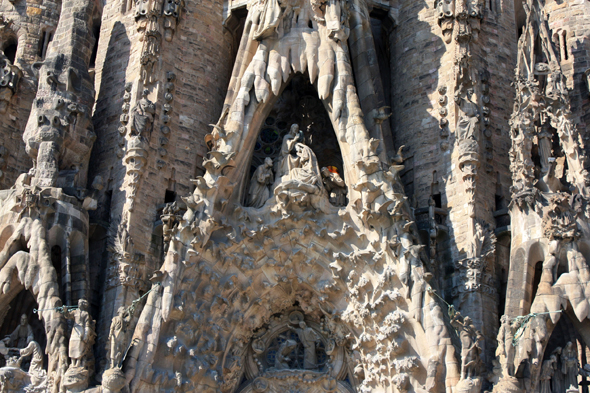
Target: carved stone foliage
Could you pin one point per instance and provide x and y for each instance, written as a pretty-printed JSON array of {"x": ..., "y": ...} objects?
[
  {"x": 541, "y": 116},
  {"x": 560, "y": 219},
  {"x": 296, "y": 294},
  {"x": 233, "y": 299},
  {"x": 563, "y": 284},
  {"x": 125, "y": 267}
]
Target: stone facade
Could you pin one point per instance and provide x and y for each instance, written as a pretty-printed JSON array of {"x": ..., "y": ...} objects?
[{"x": 294, "y": 196}]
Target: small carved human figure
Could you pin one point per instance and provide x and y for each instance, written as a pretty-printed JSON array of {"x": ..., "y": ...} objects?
[
  {"x": 298, "y": 176},
  {"x": 556, "y": 83},
  {"x": 287, "y": 158},
  {"x": 143, "y": 116},
  {"x": 470, "y": 349},
  {"x": 82, "y": 334},
  {"x": 335, "y": 186},
  {"x": 544, "y": 142},
  {"x": 259, "y": 191},
  {"x": 22, "y": 336},
  {"x": 308, "y": 338},
  {"x": 505, "y": 350},
  {"x": 169, "y": 219},
  {"x": 557, "y": 383},
  {"x": 467, "y": 125},
  {"x": 547, "y": 371},
  {"x": 282, "y": 358},
  {"x": 36, "y": 371},
  {"x": 306, "y": 170},
  {"x": 431, "y": 373},
  {"x": 569, "y": 364},
  {"x": 118, "y": 336}
]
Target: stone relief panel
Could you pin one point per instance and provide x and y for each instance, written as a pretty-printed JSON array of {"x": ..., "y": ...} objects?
[{"x": 291, "y": 351}]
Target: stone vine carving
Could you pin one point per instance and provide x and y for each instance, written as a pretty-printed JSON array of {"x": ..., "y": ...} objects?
[
  {"x": 124, "y": 269},
  {"x": 542, "y": 114}
]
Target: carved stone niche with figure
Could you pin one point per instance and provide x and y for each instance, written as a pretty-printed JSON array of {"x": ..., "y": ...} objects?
[{"x": 295, "y": 349}]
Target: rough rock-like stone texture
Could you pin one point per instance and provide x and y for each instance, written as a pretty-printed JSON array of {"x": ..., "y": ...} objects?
[{"x": 310, "y": 195}]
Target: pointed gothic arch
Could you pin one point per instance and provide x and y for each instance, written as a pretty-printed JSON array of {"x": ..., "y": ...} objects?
[{"x": 298, "y": 104}]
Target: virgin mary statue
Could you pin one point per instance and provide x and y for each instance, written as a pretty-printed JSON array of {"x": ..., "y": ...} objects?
[{"x": 298, "y": 174}]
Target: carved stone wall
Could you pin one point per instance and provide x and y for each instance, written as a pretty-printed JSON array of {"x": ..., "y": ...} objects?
[
  {"x": 25, "y": 31},
  {"x": 294, "y": 196}
]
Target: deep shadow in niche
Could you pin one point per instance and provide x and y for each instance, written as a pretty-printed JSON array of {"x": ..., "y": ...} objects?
[
  {"x": 23, "y": 303},
  {"x": 10, "y": 50},
  {"x": 56, "y": 261},
  {"x": 563, "y": 333},
  {"x": 299, "y": 103}
]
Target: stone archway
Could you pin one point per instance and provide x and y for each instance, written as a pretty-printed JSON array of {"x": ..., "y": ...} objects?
[{"x": 294, "y": 352}]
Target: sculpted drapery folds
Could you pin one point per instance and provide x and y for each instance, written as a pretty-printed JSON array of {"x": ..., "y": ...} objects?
[{"x": 263, "y": 177}]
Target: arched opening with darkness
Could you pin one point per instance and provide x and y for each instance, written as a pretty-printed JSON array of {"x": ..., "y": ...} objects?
[{"x": 298, "y": 104}]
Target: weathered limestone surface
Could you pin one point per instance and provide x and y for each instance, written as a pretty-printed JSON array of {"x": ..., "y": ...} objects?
[{"x": 294, "y": 196}]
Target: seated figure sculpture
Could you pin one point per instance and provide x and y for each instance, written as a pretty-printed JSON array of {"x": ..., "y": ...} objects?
[
  {"x": 298, "y": 175},
  {"x": 22, "y": 336}
]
